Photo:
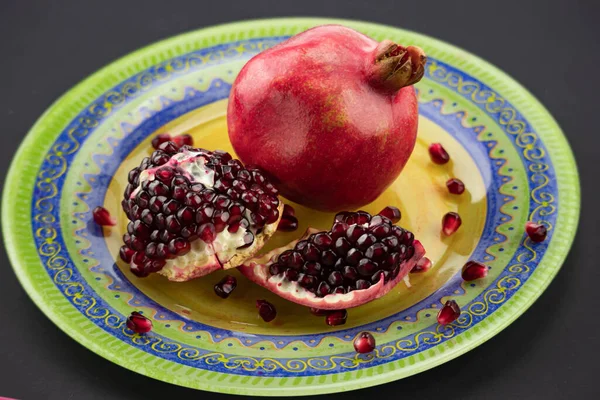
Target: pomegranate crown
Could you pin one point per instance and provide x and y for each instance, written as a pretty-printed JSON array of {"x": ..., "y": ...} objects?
[{"x": 395, "y": 66}]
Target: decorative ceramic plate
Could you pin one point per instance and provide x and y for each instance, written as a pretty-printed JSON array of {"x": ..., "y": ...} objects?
[{"x": 504, "y": 145}]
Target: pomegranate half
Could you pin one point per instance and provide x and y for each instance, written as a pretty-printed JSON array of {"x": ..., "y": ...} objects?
[
  {"x": 193, "y": 211},
  {"x": 360, "y": 259},
  {"x": 325, "y": 110}
]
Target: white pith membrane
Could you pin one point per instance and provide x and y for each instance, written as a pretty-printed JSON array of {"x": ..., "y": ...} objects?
[
  {"x": 224, "y": 252},
  {"x": 257, "y": 270}
]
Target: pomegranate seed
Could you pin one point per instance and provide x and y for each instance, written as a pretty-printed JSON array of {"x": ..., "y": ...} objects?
[
  {"x": 364, "y": 343},
  {"x": 288, "y": 211},
  {"x": 318, "y": 312},
  {"x": 335, "y": 278},
  {"x": 311, "y": 252},
  {"x": 307, "y": 281},
  {"x": 160, "y": 139},
  {"x": 323, "y": 289},
  {"x": 341, "y": 216},
  {"x": 182, "y": 140},
  {"x": 536, "y": 232},
  {"x": 448, "y": 313},
  {"x": 338, "y": 230},
  {"x": 353, "y": 257},
  {"x": 474, "y": 270},
  {"x": 450, "y": 223},
  {"x": 312, "y": 268},
  {"x": 225, "y": 286},
  {"x": 438, "y": 154},
  {"x": 102, "y": 217},
  {"x": 362, "y": 284},
  {"x": 362, "y": 217},
  {"x": 165, "y": 175},
  {"x": 455, "y": 186},
  {"x": 154, "y": 265},
  {"x": 423, "y": 265},
  {"x": 393, "y": 213},
  {"x": 179, "y": 246},
  {"x": 168, "y": 147},
  {"x": 337, "y": 317},
  {"x": 291, "y": 275},
  {"x": 266, "y": 310},
  {"x": 376, "y": 252},
  {"x": 138, "y": 323},
  {"x": 287, "y": 223},
  {"x": 354, "y": 232},
  {"x": 342, "y": 246},
  {"x": 366, "y": 267},
  {"x": 350, "y": 273},
  {"x": 322, "y": 240},
  {"x": 126, "y": 253},
  {"x": 207, "y": 232}
]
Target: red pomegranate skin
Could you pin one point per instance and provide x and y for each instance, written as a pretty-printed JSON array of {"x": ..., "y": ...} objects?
[{"x": 309, "y": 112}]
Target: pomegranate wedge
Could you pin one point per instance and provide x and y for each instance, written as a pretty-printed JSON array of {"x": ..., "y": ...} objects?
[
  {"x": 193, "y": 211},
  {"x": 360, "y": 259}
]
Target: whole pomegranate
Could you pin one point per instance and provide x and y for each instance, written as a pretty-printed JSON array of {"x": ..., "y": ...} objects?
[{"x": 329, "y": 114}]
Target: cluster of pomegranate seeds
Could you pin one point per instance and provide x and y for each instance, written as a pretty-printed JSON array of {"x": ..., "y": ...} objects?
[
  {"x": 450, "y": 223},
  {"x": 438, "y": 154},
  {"x": 102, "y": 217},
  {"x": 288, "y": 221},
  {"x": 423, "y": 265},
  {"x": 536, "y": 232},
  {"x": 455, "y": 186},
  {"x": 355, "y": 254},
  {"x": 225, "y": 286},
  {"x": 473, "y": 270},
  {"x": 336, "y": 317},
  {"x": 449, "y": 313},
  {"x": 364, "y": 343},
  {"x": 169, "y": 212},
  {"x": 179, "y": 140},
  {"x": 266, "y": 310},
  {"x": 138, "y": 323}
]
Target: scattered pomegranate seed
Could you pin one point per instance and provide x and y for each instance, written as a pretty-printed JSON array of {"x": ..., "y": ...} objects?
[
  {"x": 185, "y": 139},
  {"x": 337, "y": 317},
  {"x": 103, "y": 217},
  {"x": 266, "y": 310},
  {"x": 536, "y": 232},
  {"x": 448, "y": 313},
  {"x": 364, "y": 343},
  {"x": 473, "y": 270},
  {"x": 287, "y": 223},
  {"x": 318, "y": 312},
  {"x": 438, "y": 154},
  {"x": 393, "y": 213},
  {"x": 288, "y": 211},
  {"x": 225, "y": 286},
  {"x": 423, "y": 265},
  {"x": 450, "y": 223},
  {"x": 138, "y": 323},
  {"x": 160, "y": 139},
  {"x": 455, "y": 186}
]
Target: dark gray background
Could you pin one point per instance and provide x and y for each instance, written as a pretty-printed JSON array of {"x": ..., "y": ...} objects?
[{"x": 549, "y": 46}]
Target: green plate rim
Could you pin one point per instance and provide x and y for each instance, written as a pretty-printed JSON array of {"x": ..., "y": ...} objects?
[{"x": 17, "y": 234}]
